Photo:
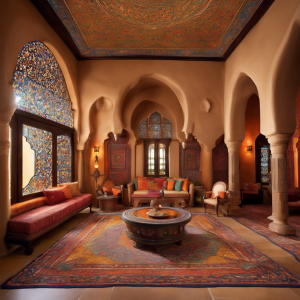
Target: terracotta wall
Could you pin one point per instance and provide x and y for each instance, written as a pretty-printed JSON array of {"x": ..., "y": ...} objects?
[{"x": 252, "y": 130}]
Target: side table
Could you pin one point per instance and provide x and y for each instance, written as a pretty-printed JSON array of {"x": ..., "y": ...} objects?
[{"x": 107, "y": 203}]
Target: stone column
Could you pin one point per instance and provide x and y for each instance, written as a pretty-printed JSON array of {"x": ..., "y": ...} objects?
[
  {"x": 234, "y": 174},
  {"x": 280, "y": 210},
  {"x": 4, "y": 184},
  {"x": 80, "y": 148}
]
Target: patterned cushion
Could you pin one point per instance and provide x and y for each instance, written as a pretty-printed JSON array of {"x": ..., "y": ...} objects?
[
  {"x": 246, "y": 186},
  {"x": 20, "y": 208},
  {"x": 149, "y": 195},
  {"x": 160, "y": 182},
  {"x": 42, "y": 217},
  {"x": 153, "y": 186},
  {"x": 141, "y": 192},
  {"x": 73, "y": 186}
]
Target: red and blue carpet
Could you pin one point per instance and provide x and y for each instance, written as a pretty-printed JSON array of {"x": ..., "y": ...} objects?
[
  {"x": 98, "y": 253},
  {"x": 255, "y": 218}
]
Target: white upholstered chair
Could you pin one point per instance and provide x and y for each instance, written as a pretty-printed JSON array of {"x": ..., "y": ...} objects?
[{"x": 215, "y": 199}]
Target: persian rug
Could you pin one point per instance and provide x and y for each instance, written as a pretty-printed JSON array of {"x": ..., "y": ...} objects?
[
  {"x": 255, "y": 218},
  {"x": 98, "y": 253}
]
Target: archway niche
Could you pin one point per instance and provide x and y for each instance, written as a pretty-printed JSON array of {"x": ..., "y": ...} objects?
[{"x": 220, "y": 161}]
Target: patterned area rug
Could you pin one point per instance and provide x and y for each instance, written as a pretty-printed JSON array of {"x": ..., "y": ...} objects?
[
  {"x": 98, "y": 253},
  {"x": 255, "y": 218}
]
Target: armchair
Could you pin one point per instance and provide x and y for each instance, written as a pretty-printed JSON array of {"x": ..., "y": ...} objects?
[
  {"x": 109, "y": 185},
  {"x": 218, "y": 196}
]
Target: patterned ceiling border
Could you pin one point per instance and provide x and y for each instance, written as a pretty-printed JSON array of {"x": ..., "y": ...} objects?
[{"x": 59, "y": 17}]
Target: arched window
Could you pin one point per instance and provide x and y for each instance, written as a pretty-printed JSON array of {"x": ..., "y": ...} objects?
[
  {"x": 157, "y": 134},
  {"x": 42, "y": 126}
]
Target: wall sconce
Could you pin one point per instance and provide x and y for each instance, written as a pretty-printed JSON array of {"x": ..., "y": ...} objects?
[
  {"x": 249, "y": 148},
  {"x": 96, "y": 150},
  {"x": 183, "y": 145}
]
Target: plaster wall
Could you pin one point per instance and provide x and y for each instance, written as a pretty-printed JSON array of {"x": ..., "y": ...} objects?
[
  {"x": 21, "y": 23},
  {"x": 269, "y": 56}
]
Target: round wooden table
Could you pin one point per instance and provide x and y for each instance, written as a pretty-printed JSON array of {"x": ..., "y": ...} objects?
[
  {"x": 144, "y": 229},
  {"x": 108, "y": 203}
]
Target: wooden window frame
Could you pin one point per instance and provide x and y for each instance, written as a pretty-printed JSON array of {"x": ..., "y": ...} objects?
[
  {"x": 16, "y": 160},
  {"x": 156, "y": 142}
]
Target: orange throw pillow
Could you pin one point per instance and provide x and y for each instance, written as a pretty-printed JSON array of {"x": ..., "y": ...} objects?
[
  {"x": 141, "y": 178},
  {"x": 115, "y": 192},
  {"x": 67, "y": 192},
  {"x": 170, "y": 186},
  {"x": 143, "y": 185},
  {"x": 185, "y": 185}
]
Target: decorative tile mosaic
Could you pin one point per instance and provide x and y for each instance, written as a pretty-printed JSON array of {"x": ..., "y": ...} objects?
[
  {"x": 41, "y": 142},
  {"x": 264, "y": 165},
  {"x": 119, "y": 159},
  {"x": 64, "y": 159},
  {"x": 156, "y": 128},
  {"x": 39, "y": 83},
  {"x": 179, "y": 28},
  {"x": 189, "y": 160}
]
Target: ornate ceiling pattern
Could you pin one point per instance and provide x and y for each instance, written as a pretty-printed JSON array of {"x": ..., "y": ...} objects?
[{"x": 200, "y": 29}]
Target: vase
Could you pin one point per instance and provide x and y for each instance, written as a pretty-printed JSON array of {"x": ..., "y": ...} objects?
[{"x": 105, "y": 194}]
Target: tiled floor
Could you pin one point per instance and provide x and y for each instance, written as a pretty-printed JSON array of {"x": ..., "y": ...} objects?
[{"x": 14, "y": 262}]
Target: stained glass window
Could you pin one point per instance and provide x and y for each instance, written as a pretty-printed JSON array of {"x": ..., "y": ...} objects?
[
  {"x": 151, "y": 159},
  {"x": 265, "y": 164},
  {"x": 64, "y": 159},
  {"x": 37, "y": 160},
  {"x": 39, "y": 85},
  {"x": 155, "y": 127},
  {"x": 162, "y": 159}
]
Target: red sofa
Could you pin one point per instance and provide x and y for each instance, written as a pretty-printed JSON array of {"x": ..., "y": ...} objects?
[{"x": 33, "y": 218}]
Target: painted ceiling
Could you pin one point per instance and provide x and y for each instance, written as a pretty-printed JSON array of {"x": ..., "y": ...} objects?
[{"x": 199, "y": 29}]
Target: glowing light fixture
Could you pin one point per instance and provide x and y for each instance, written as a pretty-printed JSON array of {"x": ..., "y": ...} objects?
[{"x": 249, "y": 148}]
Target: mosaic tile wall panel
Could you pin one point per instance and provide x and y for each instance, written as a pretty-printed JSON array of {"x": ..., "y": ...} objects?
[
  {"x": 41, "y": 142},
  {"x": 179, "y": 28},
  {"x": 264, "y": 164},
  {"x": 143, "y": 129},
  {"x": 220, "y": 161},
  {"x": 64, "y": 159},
  {"x": 119, "y": 159},
  {"x": 156, "y": 127},
  {"x": 189, "y": 160},
  {"x": 39, "y": 83}
]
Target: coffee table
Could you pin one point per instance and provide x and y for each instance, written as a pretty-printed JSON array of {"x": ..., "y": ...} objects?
[{"x": 144, "y": 229}]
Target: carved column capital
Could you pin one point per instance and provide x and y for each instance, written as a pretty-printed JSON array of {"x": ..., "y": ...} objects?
[
  {"x": 279, "y": 142},
  {"x": 233, "y": 146}
]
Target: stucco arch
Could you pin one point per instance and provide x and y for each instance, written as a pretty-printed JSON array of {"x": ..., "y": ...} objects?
[
  {"x": 243, "y": 89},
  {"x": 152, "y": 80},
  {"x": 284, "y": 84},
  {"x": 146, "y": 97}
]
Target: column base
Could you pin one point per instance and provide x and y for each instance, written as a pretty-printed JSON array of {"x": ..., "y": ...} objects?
[
  {"x": 282, "y": 229},
  {"x": 270, "y": 218}
]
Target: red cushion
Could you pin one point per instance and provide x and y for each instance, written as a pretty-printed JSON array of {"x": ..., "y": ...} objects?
[
  {"x": 54, "y": 196},
  {"x": 150, "y": 195},
  {"x": 42, "y": 217},
  {"x": 160, "y": 182}
]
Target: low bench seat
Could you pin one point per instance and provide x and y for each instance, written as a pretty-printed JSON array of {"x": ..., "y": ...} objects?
[{"x": 26, "y": 226}]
